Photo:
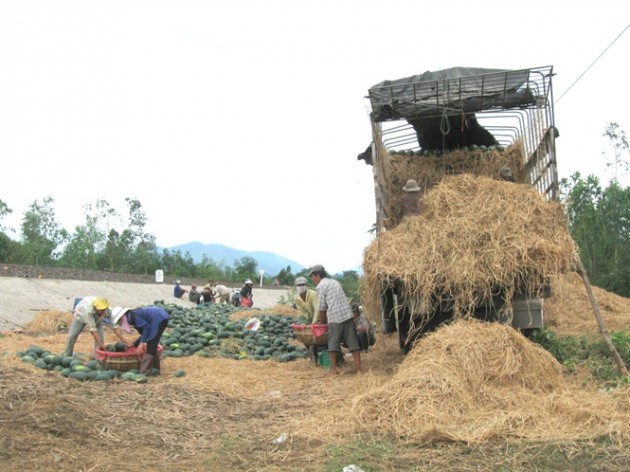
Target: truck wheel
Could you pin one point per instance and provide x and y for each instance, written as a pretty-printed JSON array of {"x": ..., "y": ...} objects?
[
  {"x": 529, "y": 332},
  {"x": 388, "y": 309}
]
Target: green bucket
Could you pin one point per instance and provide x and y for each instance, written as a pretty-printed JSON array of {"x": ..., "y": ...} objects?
[{"x": 324, "y": 359}]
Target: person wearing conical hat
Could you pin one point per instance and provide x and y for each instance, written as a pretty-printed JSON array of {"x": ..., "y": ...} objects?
[
  {"x": 150, "y": 322},
  {"x": 505, "y": 173},
  {"x": 247, "y": 294},
  {"x": 409, "y": 201},
  {"x": 90, "y": 312}
]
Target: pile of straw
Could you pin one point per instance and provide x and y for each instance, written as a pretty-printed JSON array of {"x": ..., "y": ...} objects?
[
  {"x": 466, "y": 382},
  {"x": 428, "y": 171},
  {"x": 569, "y": 312},
  {"x": 473, "y": 381},
  {"x": 275, "y": 310},
  {"x": 50, "y": 322},
  {"x": 476, "y": 238}
]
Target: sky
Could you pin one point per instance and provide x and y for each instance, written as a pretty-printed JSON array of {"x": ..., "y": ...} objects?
[{"x": 239, "y": 122}]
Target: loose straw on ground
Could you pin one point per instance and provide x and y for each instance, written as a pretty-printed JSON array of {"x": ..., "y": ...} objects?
[
  {"x": 621, "y": 367},
  {"x": 568, "y": 310},
  {"x": 474, "y": 381},
  {"x": 50, "y": 322},
  {"x": 465, "y": 383}
]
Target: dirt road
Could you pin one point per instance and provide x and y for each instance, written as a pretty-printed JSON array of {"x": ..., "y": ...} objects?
[{"x": 21, "y": 298}]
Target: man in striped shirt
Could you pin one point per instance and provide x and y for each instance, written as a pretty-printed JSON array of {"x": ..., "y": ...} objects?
[{"x": 334, "y": 309}]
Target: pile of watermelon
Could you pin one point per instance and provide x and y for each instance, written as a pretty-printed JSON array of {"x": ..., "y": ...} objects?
[
  {"x": 207, "y": 330},
  {"x": 74, "y": 368}
]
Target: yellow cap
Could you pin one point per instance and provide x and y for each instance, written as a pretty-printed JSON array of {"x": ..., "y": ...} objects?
[{"x": 101, "y": 303}]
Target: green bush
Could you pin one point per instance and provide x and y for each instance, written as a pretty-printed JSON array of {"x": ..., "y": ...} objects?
[{"x": 571, "y": 351}]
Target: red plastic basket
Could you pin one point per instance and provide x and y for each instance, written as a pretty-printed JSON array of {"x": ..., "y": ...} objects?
[
  {"x": 311, "y": 335},
  {"x": 122, "y": 361}
]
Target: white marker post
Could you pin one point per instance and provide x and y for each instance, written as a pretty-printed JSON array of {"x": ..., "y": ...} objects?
[{"x": 261, "y": 272}]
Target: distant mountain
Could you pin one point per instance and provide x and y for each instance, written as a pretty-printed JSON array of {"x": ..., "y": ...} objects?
[{"x": 271, "y": 263}]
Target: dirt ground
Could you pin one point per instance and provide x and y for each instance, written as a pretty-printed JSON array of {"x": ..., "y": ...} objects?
[
  {"x": 228, "y": 415},
  {"x": 246, "y": 415}
]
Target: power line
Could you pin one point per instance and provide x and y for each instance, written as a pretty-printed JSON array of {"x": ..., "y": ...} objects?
[{"x": 592, "y": 64}]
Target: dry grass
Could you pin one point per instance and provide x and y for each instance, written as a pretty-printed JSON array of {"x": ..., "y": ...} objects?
[
  {"x": 50, "y": 322},
  {"x": 473, "y": 381},
  {"x": 275, "y": 310},
  {"x": 468, "y": 397},
  {"x": 53, "y": 423},
  {"x": 477, "y": 237},
  {"x": 429, "y": 171},
  {"x": 568, "y": 310},
  {"x": 469, "y": 383}
]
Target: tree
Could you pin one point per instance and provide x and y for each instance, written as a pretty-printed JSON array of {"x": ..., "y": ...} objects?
[
  {"x": 599, "y": 221},
  {"x": 142, "y": 255},
  {"x": 620, "y": 146},
  {"x": 87, "y": 243},
  {"x": 614, "y": 211},
  {"x": 245, "y": 268},
  {"x": 80, "y": 252},
  {"x": 209, "y": 269},
  {"x": 581, "y": 198},
  {"x": 174, "y": 263},
  {"x": 285, "y": 276},
  {"x": 9, "y": 249},
  {"x": 4, "y": 211},
  {"x": 116, "y": 250},
  {"x": 11, "y": 252},
  {"x": 349, "y": 280},
  {"x": 42, "y": 235}
]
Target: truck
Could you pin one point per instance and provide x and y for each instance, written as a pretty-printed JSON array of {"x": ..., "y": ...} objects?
[{"x": 431, "y": 115}]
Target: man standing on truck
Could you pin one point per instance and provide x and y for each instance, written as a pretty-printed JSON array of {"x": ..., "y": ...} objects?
[
  {"x": 334, "y": 310},
  {"x": 506, "y": 174},
  {"x": 410, "y": 200}
]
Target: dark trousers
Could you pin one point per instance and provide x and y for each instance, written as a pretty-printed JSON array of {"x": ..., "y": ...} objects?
[{"x": 363, "y": 340}]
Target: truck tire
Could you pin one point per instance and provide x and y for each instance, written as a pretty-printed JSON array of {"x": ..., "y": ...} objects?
[{"x": 388, "y": 308}]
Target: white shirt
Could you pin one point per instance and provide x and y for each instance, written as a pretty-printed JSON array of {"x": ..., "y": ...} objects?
[{"x": 221, "y": 289}]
